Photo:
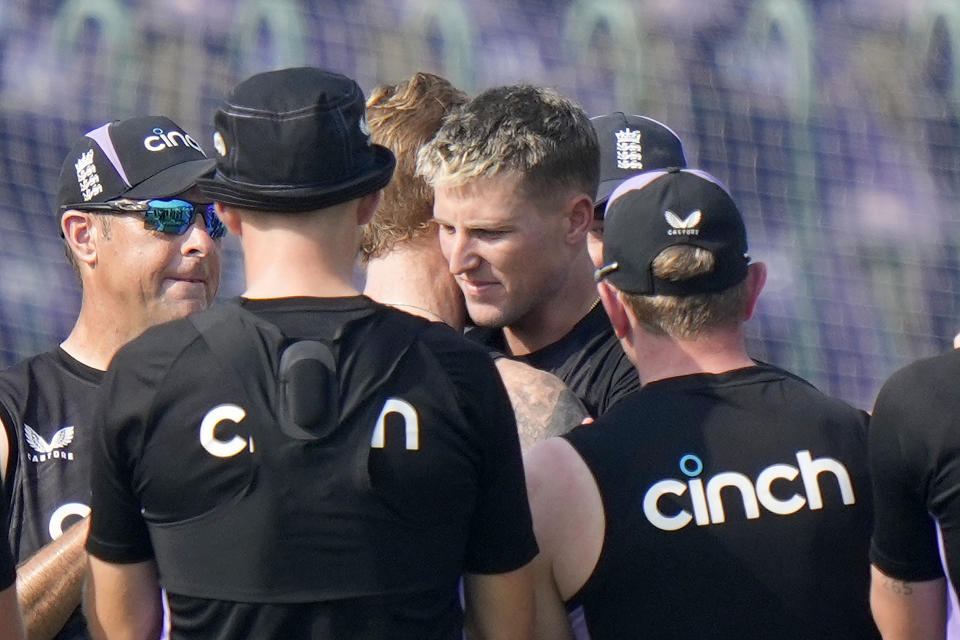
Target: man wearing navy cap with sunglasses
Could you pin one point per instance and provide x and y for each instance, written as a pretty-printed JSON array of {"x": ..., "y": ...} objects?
[{"x": 144, "y": 244}]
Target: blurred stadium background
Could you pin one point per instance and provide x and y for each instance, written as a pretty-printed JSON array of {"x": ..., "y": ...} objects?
[{"x": 835, "y": 123}]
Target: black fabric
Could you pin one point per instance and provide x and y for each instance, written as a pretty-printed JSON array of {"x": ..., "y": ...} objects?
[
  {"x": 143, "y": 157},
  {"x": 47, "y": 404},
  {"x": 659, "y": 209},
  {"x": 589, "y": 360},
  {"x": 793, "y": 566},
  {"x": 915, "y": 459},
  {"x": 629, "y": 145},
  {"x": 8, "y": 574},
  {"x": 295, "y": 140},
  {"x": 297, "y": 535}
]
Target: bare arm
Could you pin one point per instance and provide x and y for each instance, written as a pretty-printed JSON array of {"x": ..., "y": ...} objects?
[
  {"x": 542, "y": 404},
  {"x": 569, "y": 523},
  {"x": 499, "y": 606},
  {"x": 122, "y": 601},
  {"x": 908, "y": 610},
  {"x": 49, "y": 582},
  {"x": 550, "y": 613},
  {"x": 11, "y": 625}
]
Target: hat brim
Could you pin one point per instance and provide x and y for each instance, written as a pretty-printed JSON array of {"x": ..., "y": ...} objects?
[
  {"x": 309, "y": 198},
  {"x": 172, "y": 180},
  {"x": 605, "y": 189}
]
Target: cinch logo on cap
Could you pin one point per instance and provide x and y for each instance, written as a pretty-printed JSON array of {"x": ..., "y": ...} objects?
[
  {"x": 707, "y": 502},
  {"x": 160, "y": 141},
  {"x": 629, "y": 149},
  {"x": 685, "y": 227}
]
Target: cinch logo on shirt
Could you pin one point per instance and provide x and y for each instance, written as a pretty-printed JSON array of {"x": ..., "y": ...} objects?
[
  {"x": 49, "y": 450},
  {"x": 706, "y": 502},
  {"x": 220, "y": 448}
]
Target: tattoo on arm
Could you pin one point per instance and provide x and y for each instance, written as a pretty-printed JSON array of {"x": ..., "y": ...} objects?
[
  {"x": 900, "y": 587},
  {"x": 542, "y": 404}
]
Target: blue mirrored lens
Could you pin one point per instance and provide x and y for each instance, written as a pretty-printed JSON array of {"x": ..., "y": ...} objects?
[{"x": 176, "y": 216}]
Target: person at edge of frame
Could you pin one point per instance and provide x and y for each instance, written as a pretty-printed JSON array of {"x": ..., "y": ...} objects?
[{"x": 145, "y": 246}]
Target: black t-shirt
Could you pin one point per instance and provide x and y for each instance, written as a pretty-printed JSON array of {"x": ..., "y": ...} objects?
[
  {"x": 8, "y": 574},
  {"x": 589, "y": 360},
  {"x": 915, "y": 460},
  {"x": 358, "y": 525},
  {"x": 47, "y": 404},
  {"x": 737, "y": 506}
]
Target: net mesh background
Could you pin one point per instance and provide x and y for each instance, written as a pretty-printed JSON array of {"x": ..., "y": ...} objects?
[{"x": 833, "y": 123}]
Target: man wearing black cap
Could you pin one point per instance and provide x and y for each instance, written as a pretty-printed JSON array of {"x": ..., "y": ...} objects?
[
  {"x": 127, "y": 209},
  {"x": 305, "y": 462},
  {"x": 725, "y": 499},
  {"x": 629, "y": 145}
]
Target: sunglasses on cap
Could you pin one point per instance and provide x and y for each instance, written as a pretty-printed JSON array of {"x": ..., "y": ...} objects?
[{"x": 167, "y": 216}]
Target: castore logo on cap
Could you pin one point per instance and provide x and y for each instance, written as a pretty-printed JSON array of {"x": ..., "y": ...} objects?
[{"x": 683, "y": 227}]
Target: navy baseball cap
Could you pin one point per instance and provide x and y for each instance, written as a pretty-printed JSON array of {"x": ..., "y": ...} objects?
[
  {"x": 659, "y": 209},
  {"x": 295, "y": 140},
  {"x": 138, "y": 158},
  {"x": 630, "y": 145}
]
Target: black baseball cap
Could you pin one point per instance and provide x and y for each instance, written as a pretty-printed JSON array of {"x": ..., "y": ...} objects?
[
  {"x": 659, "y": 209},
  {"x": 295, "y": 140},
  {"x": 138, "y": 158},
  {"x": 630, "y": 145}
]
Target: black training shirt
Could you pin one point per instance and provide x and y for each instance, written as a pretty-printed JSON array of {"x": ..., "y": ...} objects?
[
  {"x": 737, "y": 506},
  {"x": 915, "y": 462},
  {"x": 589, "y": 360},
  {"x": 359, "y": 526}
]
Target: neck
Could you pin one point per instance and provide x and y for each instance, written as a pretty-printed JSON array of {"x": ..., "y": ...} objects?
[
  {"x": 298, "y": 261},
  {"x": 661, "y": 357},
  {"x": 413, "y": 277},
  {"x": 555, "y": 317},
  {"x": 101, "y": 329}
]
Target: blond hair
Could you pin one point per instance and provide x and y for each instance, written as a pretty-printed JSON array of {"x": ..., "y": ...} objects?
[
  {"x": 404, "y": 117},
  {"x": 533, "y": 131},
  {"x": 689, "y": 316}
]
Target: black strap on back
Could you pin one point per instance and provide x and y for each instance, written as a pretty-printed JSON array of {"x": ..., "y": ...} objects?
[{"x": 302, "y": 384}]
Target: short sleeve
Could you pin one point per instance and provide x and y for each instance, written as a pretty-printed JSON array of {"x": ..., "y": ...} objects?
[
  {"x": 904, "y": 544},
  {"x": 118, "y": 532},
  {"x": 501, "y": 535}
]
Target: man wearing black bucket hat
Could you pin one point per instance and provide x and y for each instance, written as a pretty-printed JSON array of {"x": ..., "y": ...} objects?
[
  {"x": 725, "y": 498},
  {"x": 304, "y": 462},
  {"x": 142, "y": 241}
]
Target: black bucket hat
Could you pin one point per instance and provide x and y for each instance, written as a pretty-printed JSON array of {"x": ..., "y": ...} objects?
[{"x": 295, "y": 140}]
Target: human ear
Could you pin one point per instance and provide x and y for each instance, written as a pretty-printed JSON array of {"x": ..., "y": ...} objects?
[
  {"x": 756, "y": 277},
  {"x": 81, "y": 236}
]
